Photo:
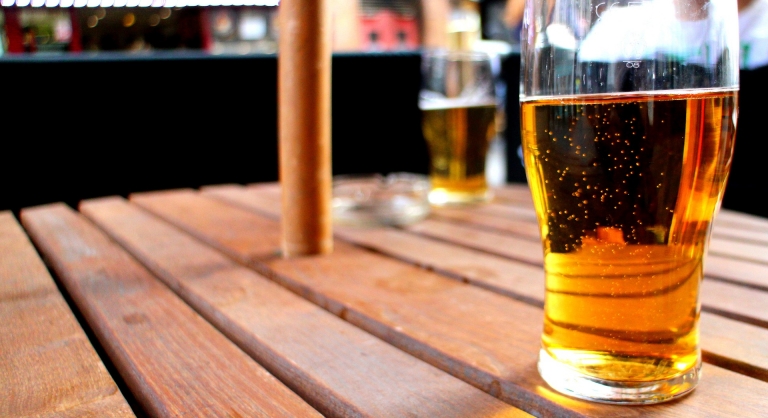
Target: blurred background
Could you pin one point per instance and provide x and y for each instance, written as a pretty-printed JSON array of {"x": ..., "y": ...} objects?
[
  {"x": 242, "y": 26},
  {"x": 108, "y": 97}
]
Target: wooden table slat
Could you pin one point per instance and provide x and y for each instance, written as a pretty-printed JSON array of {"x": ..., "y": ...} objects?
[
  {"x": 340, "y": 369},
  {"x": 743, "y": 221},
  {"x": 482, "y": 337},
  {"x": 48, "y": 367},
  {"x": 174, "y": 362},
  {"x": 514, "y": 193},
  {"x": 524, "y": 228}
]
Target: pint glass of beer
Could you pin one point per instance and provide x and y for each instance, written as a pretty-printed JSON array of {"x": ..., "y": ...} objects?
[
  {"x": 628, "y": 114},
  {"x": 458, "y": 106}
]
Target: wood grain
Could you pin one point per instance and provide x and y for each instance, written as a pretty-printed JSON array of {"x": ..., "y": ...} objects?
[
  {"x": 340, "y": 369},
  {"x": 175, "y": 363},
  {"x": 48, "y": 367},
  {"x": 514, "y": 193},
  {"x": 525, "y": 282},
  {"x": 739, "y": 235},
  {"x": 479, "y": 336},
  {"x": 739, "y": 250},
  {"x": 304, "y": 120},
  {"x": 744, "y": 221},
  {"x": 524, "y": 228}
]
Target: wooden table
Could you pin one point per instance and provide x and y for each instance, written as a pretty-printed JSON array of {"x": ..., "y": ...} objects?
[{"x": 176, "y": 303}]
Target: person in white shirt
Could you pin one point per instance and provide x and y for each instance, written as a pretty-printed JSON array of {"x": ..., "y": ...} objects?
[
  {"x": 753, "y": 29},
  {"x": 753, "y": 33}
]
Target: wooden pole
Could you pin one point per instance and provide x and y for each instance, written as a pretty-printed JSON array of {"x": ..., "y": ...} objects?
[
  {"x": 436, "y": 14},
  {"x": 304, "y": 90}
]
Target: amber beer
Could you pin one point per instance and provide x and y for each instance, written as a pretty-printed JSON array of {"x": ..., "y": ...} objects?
[
  {"x": 458, "y": 135},
  {"x": 625, "y": 188}
]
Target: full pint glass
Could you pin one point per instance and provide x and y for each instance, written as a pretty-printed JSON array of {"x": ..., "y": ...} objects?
[
  {"x": 458, "y": 107},
  {"x": 628, "y": 113}
]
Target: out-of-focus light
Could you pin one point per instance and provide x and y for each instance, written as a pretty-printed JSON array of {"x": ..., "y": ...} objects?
[
  {"x": 204, "y": 3},
  {"x": 101, "y": 12},
  {"x": 249, "y": 2},
  {"x": 38, "y": 3},
  {"x": 169, "y": 3},
  {"x": 164, "y": 13},
  {"x": 157, "y": 3},
  {"x": 129, "y": 19},
  {"x": 7, "y": 3},
  {"x": 67, "y": 3},
  {"x": 94, "y": 3},
  {"x": 80, "y": 3},
  {"x": 107, "y": 3},
  {"x": 237, "y": 3},
  {"x": 154, "y": 20},
  {"x": 145, "y": 3},
  {"x": 92, "y": 21},
  {"x": 215, "y": 2},
  {"x": 132, "y": 3},
  {"x": 192, "y": 2},
  {"x": 51, "y": 3},
  {"x": 226, "y": 3},
  {"x": 119, "y": 3},
  {"x": 22, "y": 3}
]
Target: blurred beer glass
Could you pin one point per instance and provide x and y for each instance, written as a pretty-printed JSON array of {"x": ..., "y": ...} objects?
[
  {"x": 628, "y": 113},
  {"x": 458, "y": 106}
]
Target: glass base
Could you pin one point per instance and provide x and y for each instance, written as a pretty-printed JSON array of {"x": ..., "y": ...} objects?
[
  {"x": 443, "y": 197},
  {"x": 566, "y": 380}
]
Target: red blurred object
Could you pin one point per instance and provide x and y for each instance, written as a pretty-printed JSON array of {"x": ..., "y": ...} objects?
[
  {"x": 389, "y": 31},
  {"x": 13, "y": 30},
  {"x": 76, "y": 43},
  {"x": 205, "y": 31}
]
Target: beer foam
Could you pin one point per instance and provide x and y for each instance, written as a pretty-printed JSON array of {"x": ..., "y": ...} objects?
[{"x": 455, "y": 102}]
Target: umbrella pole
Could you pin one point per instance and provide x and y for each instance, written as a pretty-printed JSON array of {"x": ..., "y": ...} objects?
[{"x": 304, "y": 125}]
